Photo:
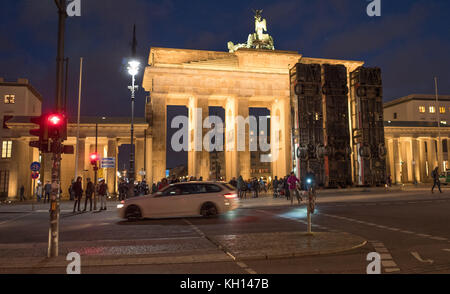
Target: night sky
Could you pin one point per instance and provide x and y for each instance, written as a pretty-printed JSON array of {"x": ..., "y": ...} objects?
[{"x": 410, "y": 41}]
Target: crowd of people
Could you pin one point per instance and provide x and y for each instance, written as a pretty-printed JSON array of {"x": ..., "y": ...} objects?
[{"x": 280, "y": 187}]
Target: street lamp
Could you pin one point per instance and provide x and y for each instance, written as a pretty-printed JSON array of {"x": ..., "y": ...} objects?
[{"x": 133, "y": 70}]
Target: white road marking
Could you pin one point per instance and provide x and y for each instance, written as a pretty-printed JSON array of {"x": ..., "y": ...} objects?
[
  {"x": 448, "y": 250},
  {"x": 239, "y": 263},
  {"x": 15, "y": 218},
  {"x": 387, "y": 261},
  {"x": 417, "y": 256},
  {"x": 387, "y": 228}
]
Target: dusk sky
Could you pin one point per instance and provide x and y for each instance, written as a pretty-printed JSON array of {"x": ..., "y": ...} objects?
[{"x": 410, "y": 41}]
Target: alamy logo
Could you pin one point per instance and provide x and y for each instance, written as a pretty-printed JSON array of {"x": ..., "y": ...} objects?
[
  {"x": 74, "y": 8},
  {"x": 74, "y": 267},
  {"x": 190, "y": 135},
  {"x": 374, "y": 267},
  {"x": 374, "y": 8}
]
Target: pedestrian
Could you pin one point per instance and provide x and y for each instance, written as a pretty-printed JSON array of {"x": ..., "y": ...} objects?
[
  {"x": 154, "y": 188},
  {"x": 47, "y": 191},
  {"x": 102, "y": 192},
  {"x": 388, "y": 182},
  {"x": 286, "y": 187},
  {"x": 240, "y": 186},
  {"x": 39, "y": 191},
  {"x": 436, "y": 181},
  {"x": 71, "y": 193},
  {"x": 164, "y": 183},
  {"x": 233, "y": 182},
  {"x": 292, "y": 181},
  {"x": 22, "y": 193},
  {"x": 275, "y": 187},
  {"x": 255, "y": 187},
  {"x": 90, "y": 189},
  {"x": 78, "y": 193}
]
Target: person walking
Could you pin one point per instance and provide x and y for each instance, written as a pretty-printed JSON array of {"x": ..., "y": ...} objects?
[
  {"x": 90, "y": 189},
  {"x": 437, "y": 182},
  {"x": 240, "y": 186},
  {"x": 71, "y": 193},
  {"x": 47, "y": 191},
  {"x": 275, "y": 187},
  {"x": 286, "y": 187},
  {"x": 102, "y": 192},
  {"x": 78, "y": 193},
  {"x": 22, "y": 193},
  {"x": 255, "y": 187},
  {"x": 39, "y": 191},
  {"x": 292, "y": 181}
]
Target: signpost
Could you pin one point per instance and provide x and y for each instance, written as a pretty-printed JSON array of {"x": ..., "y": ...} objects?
[
  {"x": 35, "y": 167},
  {"x": 108, "y": 162}
]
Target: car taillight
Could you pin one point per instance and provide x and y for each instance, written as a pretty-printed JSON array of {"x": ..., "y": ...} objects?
[
  {"x": 122, "y": 202},
  {"x": 230, "y": 195}
]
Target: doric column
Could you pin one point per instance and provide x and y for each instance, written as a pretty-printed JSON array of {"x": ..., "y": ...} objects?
[
  {"x": 198, "y": 157},
  {"x": 431, "y": 154},
  {"x": 159, "y": 108},
  {"x": 397, "y": 161},
  {"x": 139, "y": 158},
  {"x": 280, "y": 137},
  {"x": 231, "y": 156},
  {"x": 416, "y": 160},
  {"x": 244, "y": 155}
]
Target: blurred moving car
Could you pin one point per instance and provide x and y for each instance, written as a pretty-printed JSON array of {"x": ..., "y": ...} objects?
[{"x": 182, "y": 199}]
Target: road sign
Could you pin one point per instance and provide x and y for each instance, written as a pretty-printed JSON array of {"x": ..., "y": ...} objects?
[
  {"x": 35, "y": 166},
  {"x": 108, "y": 162},
  {"x": 35, "y": 175}
]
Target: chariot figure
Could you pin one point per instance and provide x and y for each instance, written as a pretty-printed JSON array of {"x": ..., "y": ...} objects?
[{"x": 257, "y": 40}]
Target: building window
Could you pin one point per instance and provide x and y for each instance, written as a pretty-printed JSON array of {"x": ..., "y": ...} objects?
[
  {"x": 443, "y": 122},
  {"x": 10, "y": 99},
  {"x": 444, "y": 146},
  {"x": 422, "y": 109},
  {"x": 442, "y": 109},
  {"x": 395, "y": 115},
  {"x": 6, "y": 149},
  {"x": 4, "y": 182},
  {"x": 432, "y": 109}
]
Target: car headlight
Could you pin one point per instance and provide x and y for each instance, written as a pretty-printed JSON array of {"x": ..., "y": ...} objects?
[{"x": 120, "y": 205}]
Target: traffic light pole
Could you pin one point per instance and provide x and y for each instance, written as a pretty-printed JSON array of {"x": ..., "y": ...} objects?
[
  {"x": 53, "y": 238},
  {"x": 95, "y": 169}
]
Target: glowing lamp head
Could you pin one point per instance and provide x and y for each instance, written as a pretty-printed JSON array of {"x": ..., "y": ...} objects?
[
  {"x": 308, "y": 180},
  {"x": 133, "y": 67},
  {"x": 55, "y": 119}
]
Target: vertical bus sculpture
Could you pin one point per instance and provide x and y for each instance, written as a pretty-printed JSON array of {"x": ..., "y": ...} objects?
[
  {"x": 307, "y": 120},
  {"x": 368, "y": 127},
  {"x": 337, "y": 161}
]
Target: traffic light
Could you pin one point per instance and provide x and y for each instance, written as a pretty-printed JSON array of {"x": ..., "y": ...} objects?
[
  {"x": 94, "y": 158},
  {"x": 41, "y": 132},
  {"x": 57, "y": 126}
]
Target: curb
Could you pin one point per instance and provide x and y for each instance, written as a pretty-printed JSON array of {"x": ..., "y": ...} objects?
[{"x": 25, "y": 263}]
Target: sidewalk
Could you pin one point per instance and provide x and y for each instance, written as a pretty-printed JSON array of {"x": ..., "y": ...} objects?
[{"x": 218, "y": 248}]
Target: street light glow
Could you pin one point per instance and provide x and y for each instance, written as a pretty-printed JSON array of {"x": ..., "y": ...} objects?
[
  {"x": 54, "y": 119},
  {"x": 133, "y": 67}
]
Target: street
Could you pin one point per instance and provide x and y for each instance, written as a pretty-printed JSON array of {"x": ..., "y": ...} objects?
[{"x": 409, "y": 229}]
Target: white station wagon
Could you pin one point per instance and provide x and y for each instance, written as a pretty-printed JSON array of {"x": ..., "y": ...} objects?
[{"x": 182, "y": 199}]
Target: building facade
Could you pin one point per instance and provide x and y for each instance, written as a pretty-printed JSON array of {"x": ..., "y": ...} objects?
[
  {"x": 18, "y": 98},
  {"x": 416, "y": 143}
]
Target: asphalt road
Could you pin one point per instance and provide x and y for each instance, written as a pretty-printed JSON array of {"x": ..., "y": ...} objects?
[{"x": 410, "y": 230}]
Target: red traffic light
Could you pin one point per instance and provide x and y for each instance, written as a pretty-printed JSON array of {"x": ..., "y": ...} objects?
[
  {"x": 55, "y": 119},
  {"x": 94, "y": 158}
]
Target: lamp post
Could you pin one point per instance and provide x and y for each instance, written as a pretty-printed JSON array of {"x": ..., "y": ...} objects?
[{"x": 133, "y": 69}]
